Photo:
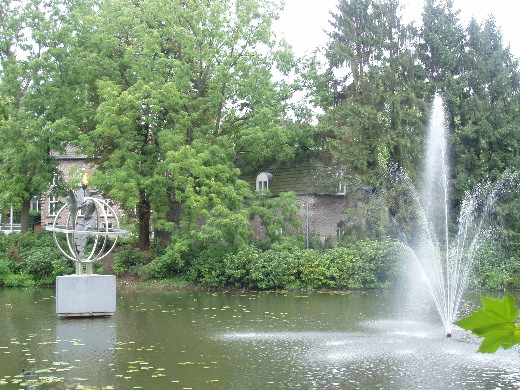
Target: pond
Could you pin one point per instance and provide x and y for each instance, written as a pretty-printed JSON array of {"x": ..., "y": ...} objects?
[{"x": 252, "y": 340}]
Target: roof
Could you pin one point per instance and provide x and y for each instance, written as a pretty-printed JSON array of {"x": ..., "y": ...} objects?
[{"x": 304, "y": 178}]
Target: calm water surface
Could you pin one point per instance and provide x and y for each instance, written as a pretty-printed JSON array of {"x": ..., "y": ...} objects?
[{"x": 256, "y": 340}]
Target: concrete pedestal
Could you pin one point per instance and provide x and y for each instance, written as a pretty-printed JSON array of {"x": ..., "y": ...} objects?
[{"x": 85, "y": 295}]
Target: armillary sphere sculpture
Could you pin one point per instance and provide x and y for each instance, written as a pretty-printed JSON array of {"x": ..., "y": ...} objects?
[{"x": 85, "y": 217}]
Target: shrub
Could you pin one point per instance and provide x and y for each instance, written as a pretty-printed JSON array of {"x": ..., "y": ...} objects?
[
  {"x": 494, "y": 268},
  {"x": 4, "y": 269},
  {"x": 35, "y": 217},
  {"x": 274, "y": 269},
  {"x": 208, "y": 271},
  {"x": 314, "y": 273},
  {"x": 160, "y": 267},
  {"x": 18, "y": 280},
  {"x": 237, "y": 267},
  {"x": 10, "y": 279},
  {"x": 128, "y": 259},
  {"x": 45, "y": 264}
]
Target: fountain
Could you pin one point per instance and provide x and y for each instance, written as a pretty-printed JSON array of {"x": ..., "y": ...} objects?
[{"x": 445, "y": 259}]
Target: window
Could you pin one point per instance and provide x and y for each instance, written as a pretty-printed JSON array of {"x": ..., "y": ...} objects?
[
  {"x": 340, "y": 230},
  {"x": 263, "y": 181},
  {"x": 55, "y": 180},
  {"x": 35, "y": 203},
  {"x": 107, "y": 207},
  {"x": 54, "y": 205},
  {"x": 342, "y": 188}
]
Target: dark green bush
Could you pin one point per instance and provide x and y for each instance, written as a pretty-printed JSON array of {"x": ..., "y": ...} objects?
[
  {"x": 365, "y": 264},
  {"x": 494, "y": 268},
  {"x": 207, "y": 271},
  {"x": 35, "y": 217},
  {"x": 238, "y": 266},
  {"x": 32, "y": 258},
  {"x": 380, "y": 262},
  {"x": 166, "y": 265},
  {"x": 10, "y": 279},
  {"x": 45, "y": 264},
  {"x": 314, "y": 271},
  {"x": 160, "y": 268},
  {"x": 128, "y": 259},
  {"x": 18, "y": 280},
  {"x": 273, "y": 269}
]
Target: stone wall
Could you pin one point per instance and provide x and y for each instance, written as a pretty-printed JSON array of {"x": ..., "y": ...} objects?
[{"x": 319, "y": 217}]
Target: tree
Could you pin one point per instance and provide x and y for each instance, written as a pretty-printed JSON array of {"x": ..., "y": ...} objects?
[
  {"x": 441, "y": 46},
  {"x": 374, "y": 107},
  {"x": 486, "y": 138},
  {"x": 33, "y": 102},
  {"x": 186, "y": 93}
]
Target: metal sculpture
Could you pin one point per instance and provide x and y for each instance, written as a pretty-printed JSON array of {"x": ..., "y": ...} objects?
[{"x": 82, "y": 218}]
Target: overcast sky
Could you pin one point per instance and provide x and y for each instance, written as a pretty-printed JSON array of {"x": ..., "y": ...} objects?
[{"x": 303, "y": 21}]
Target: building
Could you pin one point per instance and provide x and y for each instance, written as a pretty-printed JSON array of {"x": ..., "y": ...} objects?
[
  {"x": 328, "y": 207},
  {"x": 323, "y": 196}
]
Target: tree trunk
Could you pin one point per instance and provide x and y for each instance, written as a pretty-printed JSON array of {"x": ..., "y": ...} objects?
[
  {"x": 24, "y": 216},
  {"x": 174, "y": 215},
  {"x": 143, "y": 219}
]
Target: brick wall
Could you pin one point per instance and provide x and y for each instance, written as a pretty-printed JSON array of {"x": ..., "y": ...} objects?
[{"x": 319, "y": 216}]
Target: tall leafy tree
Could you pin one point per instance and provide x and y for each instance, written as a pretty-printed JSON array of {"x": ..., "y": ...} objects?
[
  {"x": 373, "y": 111},
  {"x": 440, "y": 51},
  {"x": 486, "y": 138},
  {"x": 33, "y": 101},
  {"x": 186, "y": 92}
]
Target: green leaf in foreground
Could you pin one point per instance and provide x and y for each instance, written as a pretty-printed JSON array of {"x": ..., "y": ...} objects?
[{"x": 496, "y": 322}]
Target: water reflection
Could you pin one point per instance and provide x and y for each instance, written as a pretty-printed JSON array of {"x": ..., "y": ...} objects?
[
  {"x": 229, "y": 340},
  {"x": 85, "y": 346}
]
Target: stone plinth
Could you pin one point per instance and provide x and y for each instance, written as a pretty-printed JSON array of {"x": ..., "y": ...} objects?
[{"x": 85, "y": 295}]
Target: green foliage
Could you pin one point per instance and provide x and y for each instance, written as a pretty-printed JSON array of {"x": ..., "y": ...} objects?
[
  {"x": 373, "y": 110},
  {"x": 171, "y": 110},
  {"x": 128, "y": 259},
  {"x": 265, "y": 270},
  {"x": 169, "y": 98},
  {"x": 160, "y": 267},
  {"x": 35, "y": 217},
  {"x": 275, "y": 269},
  {"x": 379, "y": 80},
  {"x": 276, "y": 213},
  {"x": 17, "y": 280},
  {"x": 44, "y": 264},
  {"x": 34, "y": 100},
  {"x": 15, "y": 244},
  {"x": 496, "y": 322},
  {"x": 238, "y": 266},
  {"x": 208, "y": 186},
  {"x": 31, "y": 258},
  {"x": 493, "y": 267},
  {"x": 10, "y": 278},
  {"x": 366, "y": 264},
  {"x": 207, "y": 269}
]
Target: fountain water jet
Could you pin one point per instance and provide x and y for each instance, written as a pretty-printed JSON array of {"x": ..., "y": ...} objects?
[{"x": 446, "y": 260}]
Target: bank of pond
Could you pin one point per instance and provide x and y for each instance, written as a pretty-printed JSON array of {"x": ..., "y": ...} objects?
[{"x": 33, "y": 259}]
